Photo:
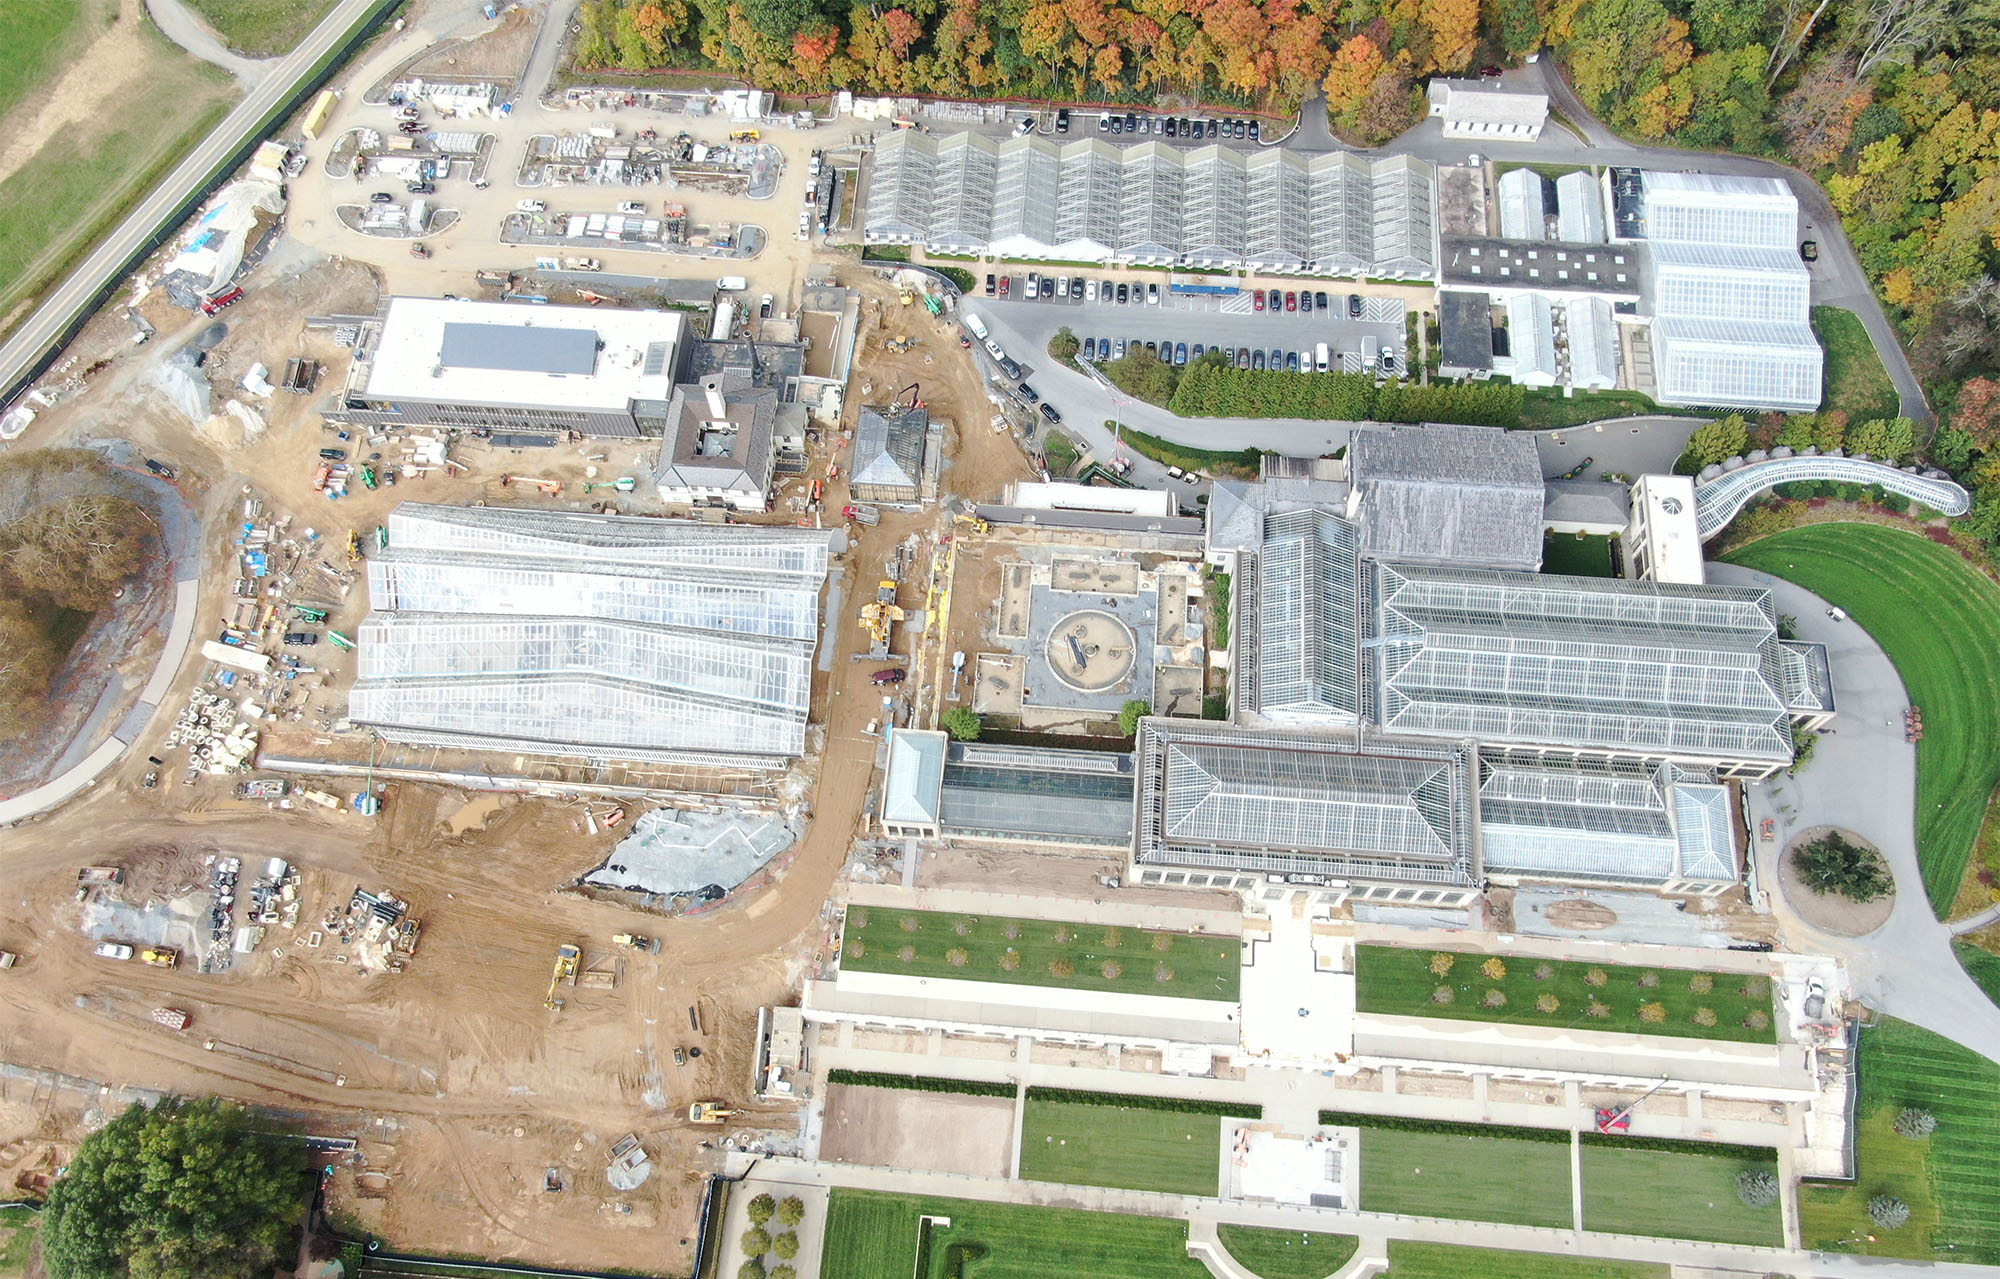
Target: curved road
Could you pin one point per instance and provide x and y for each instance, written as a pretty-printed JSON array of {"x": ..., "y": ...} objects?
[
  {"x": 186, "y": 29},
  {"x": 61, "y": 307}
]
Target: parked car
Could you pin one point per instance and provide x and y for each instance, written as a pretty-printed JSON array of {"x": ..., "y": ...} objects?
[
  {"x": 764, "y": 307},
  {"x": 992, "y": 283},
  {"x": 1119, "y": 353},
  {"x": 333, "y": 455},
  {"x": 1354, "y": 306},
  {"x": 381, "y": 197},
  {"x": 1291, "y": 361},
  {"x": 1194, "y": 352},
  {"x": 1319, "y": 300},
  {"x": 1090, "y": 291},
  {"x": 1257, "y": 299},
  {"x": 1006, "y": 283},
  {"x": 1305, "y": 301},
  {"x": 1124, "y": 293},
  {"x": 423, "y": 188},
  {"x": 1103, "y": 121},
  {"x": 1242, "y": 357},
  {"x": 1809, "y": 250},
  {"x": 894, "y": 675},
  {"x": 1276, "y": 360},
  {"x": 1029, "y": 393},
  {"x": 1153, "y": 349},
  {"x": 1180, "y": 354},
  {"x": 1087, "y": 348},
  {"x": 1257, "y": 360},
  {"x": 1213, "y": 125},
  {"x": 1152, "y": 295},
  {"x": 112, "y": 950},
  {"x": 1062, "y": 120},
  {"x": 160, "y": 468},
  {"x": 1254, "y": 131},
  {"x": 1034, "y": 289},
  {"x": 301, "y": 639},
  {"x": 1489, "y": 73},
  {"x": 1118, "y": 124},
  {"x": 1276, "y": 299},
  {"x": 1049, "y": 412},
  {"x": 1291, "y": 301}
]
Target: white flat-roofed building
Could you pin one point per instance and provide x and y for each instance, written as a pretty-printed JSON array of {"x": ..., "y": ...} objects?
[
  {"x": 1663, "y": 542},
  {"x": 1523, "y": 205},
  {"x": 514, "y": 367},
  {"x": 1035, "y": 496},
  {"x": 1484, "y": 109},
  {"x": 1579, "y": 209},
  {"x": 1593, "y": 344}
]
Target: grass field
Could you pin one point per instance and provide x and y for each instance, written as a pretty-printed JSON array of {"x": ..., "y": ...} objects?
[
  {"x": 1939, "y": 621},
  {"x": 1673, "y": 1195},
  {"x": 1411, "y": 1260},
  {"x": 1427, "y": 1174},
  {"x": 42, "y": 39},
  {"x": 1126, "y": 1149},
  {"x": 17, "y": 1240},
  {"x": 1950, "y": 1181},
  {"x": 54, "y": 206},
  {"x": 1544, "y": 408},
  {"x": 1566, "y": 554},
  {"x": 874, "y": 1236},
  {"x": 1286, "y": 1254},
  {"x": 1399, "y": 981},
  {"x": 262, "y": 28},
  {"x": 1856, "y": 382},
  {"x": 1130, "y": 961}
]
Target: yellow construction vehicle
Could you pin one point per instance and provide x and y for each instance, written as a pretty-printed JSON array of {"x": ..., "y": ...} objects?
[
  {"x": 908, "y": 294},
  {"x": 568, "y": 957},
  {"x": 553, "y": 488},
  {"x": 879, "y": 614},
  {"x": 710, "y": 1112},
  {"x": 972, "y": 524}
]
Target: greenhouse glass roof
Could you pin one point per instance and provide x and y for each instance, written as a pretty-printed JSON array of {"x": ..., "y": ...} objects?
[
  {"x": 1303, "y": 615},
  {"x": 1603, "y": 821}
]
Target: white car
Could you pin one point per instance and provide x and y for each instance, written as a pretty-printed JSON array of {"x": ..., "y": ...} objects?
[
  {"x": 805, "y": 226},
  {"x": 1090, "y": 291},
  {"x": 530, "y": 206},
  {"x": 632, "y": 209},
  {"x": 112, "y": 950},
  {"x": 1034, "y": 288}
]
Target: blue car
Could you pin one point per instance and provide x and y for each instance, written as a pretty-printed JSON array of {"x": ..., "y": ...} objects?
[{"x": 1180, "y": 353}]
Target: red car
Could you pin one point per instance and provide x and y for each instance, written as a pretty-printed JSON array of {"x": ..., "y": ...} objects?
[
  {"x": 1291, "y": 301},
  {"x": 1257, "y": 299},
  {"x": 1006, "y": 282},
  {"x": 894, "y": 675}
]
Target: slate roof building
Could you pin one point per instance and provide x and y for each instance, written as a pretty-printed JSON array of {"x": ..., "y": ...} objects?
[
  {"x": 721, "y": 447},
  {"x": 1437, "y": 494},
  {"x": 913, "y": 784},
  {"x": 591, "y": 636},
  {"x": 889, "y": 454},
  {"x": 1481, "y": 109}
]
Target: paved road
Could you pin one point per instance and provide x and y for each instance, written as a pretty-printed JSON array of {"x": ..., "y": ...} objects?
[
  {"x": 1863, "y": 777},
  {"x": 185, "y": 29},
  {"x": 51, "y": 321}
]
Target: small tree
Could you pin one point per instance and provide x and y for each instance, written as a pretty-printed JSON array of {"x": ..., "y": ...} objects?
[
  {"x": 1834, "y": 864},
  {"x": 1062, "y": 968},
  {"x": 957, "y": 957},
  {"x": 1112, "y": 970},
  {"x": 759, "y": 1211},
  {"x": 1652, "y": 1014},
  {"x": 1494, "y": 968},
  {"x": 1757, "y": 1187},
  {"x": 1704, "y": 1016},
  {"x": 755, "y": 1242},
  {"x": 1544, "y": 971},
  {"x": 785, "y": 1246},
  {"x": 1010, "y": 959},
  {"x": 782, "y": 1271},
  {"x": 1065, "y": 344},
  {"x": 1701, "y": 983},
  {"x": 1130, "y": 714},
  {"x": 1598, "y": 1009},
  {"x": 1441, "y": 962},
  {"x": 1916, "y": 1124},
  {"x": 1443, "y": 995},
  {"x": 1718, "y": 441},
  {"x": 962, "y": 723},
  {"x": 1596, "y": 977},
  {"x": 1494, "y": 999},
  {"x": 1546, "y": 1003},
  {"x": 753, "y": 1268},
  {"x": 1889, "y": 1212}
]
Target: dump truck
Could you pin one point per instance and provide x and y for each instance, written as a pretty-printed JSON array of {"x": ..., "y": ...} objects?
[
  {"x": 710, "y": 1112},
  {"x": 160, "y": 957}
]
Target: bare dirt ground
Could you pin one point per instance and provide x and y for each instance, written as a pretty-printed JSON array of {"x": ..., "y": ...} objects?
[
  {"x": 928, "y": 1132},
  {"x": 101, "y": 73},
  {"x": 498, "y": 54}
]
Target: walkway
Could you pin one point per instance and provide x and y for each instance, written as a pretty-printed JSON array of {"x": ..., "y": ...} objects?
[
  {"x": 185, "y": 28},
  {"x": 1863, "y": 777},
  {"x": 1717, "y": 501}
]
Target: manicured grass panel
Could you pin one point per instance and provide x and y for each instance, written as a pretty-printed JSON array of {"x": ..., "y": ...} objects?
[
  {"x": 17, "y": 1240},
  {"x": 1950, "y": 1181},
  {"x": 1128, "y": 1149},
  {"x": 1546, "y": 408},
  {"x": 1132, "y": 1101},
  {"x": 262, "y": 28},
  {"x": 1939, "y": 621},
  {"x": 1666, "y": 1145},
  {"x": 1440, "y": 1127},
  {"x": 870, "y": 1235},
  {"x": 1524, "y": 1183},
  {"x": 1856, "y": 382},
  {"x": 1398, "y": 981},
  {"x": 1686, "y": 1194},
  {"x": 1982, "y": 966},
  {"x": 920, "y": 1083},
  {"x": 1286, "y": 1254},
  {"x": 1187, "y": 966},
  {"x": 1411, "y": 1260},
  {"x": 1566, "y": 555}
]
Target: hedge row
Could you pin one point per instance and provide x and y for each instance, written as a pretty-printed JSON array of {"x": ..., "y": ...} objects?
[
  {"x": 1621, "y": 1141},
  {"x": 1209, "y": 388},
  {"x": 1178, "y": 1105},
  {"x": 919, "y": 1083},
  {"x": 1392, "y": 1123}
]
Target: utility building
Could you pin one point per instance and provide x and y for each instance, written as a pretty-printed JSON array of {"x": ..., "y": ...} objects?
[{"x": 720, "y": 450}]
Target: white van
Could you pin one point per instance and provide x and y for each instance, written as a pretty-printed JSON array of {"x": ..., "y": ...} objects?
[
  {"x": 975, "y": 325},
  {"x": 732, "y": 284},
  {"x": 1322, "y": 358},
  {"x": 530, "y": 206}
]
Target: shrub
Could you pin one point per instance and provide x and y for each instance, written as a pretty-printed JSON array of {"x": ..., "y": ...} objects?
[
  {"x": 1010, "y": 960},
  {"x": 1062, "y": 968},
  {"x": 1112, "y": 970},
  {"x": 1441, "y": 962},
  {"x": 1163, "y": 941},
  {"x": 1837, "y": 865},
  {"x": 1757, "y": 1187},
  {"x": 1443, "y": 995},
  {"x": 1648, "y": 980},
  {"x": 907, "y": 1083},
  {"x": 907, "y": 954},
  {"x": 1130, "y": 714},
  {"x": 1494, "y": 999},
  {"x": 1162, "y": 974},
  {"x": 1012, "y": 932},
  {"x": 785, "y": 1246},
  {"x": 962, "y": 722},
  {"x": 1652, "y": 1014},
  {"x": 782, "y": 1271},
  {"x": 1063, "y": 935},
  {"x": 1889, "y": 1212},
  {"x": 1701, "y": 983},
  {"x": 1494, "y": 968},
  {"x": 751, "y": 1269},
  {"x": 961, "y": 928},
  {"x": 1757, "y": 1020},
  {"x": 1544, "y": 971},
  {"x": 1704, "y": 1017},
  {"x": 1113, "y": 938},
  {"x": 957, "y": 957},
  {"x": 855, "y": 949},
  {"x": 1596, "y": 977},
  {"x": 909, "y": 924},
  {"x": 1546, "y": 1003},
  {"x": 1064, "y": 345},
  {"x": 759, "y": 1211},
  {"x": 792, "y": 1209},
  {"x": 1752, "y": 987},
  {"x": 755, "y": 1242},
  {"x": 858, "y": 917},
  {"x": 1598, "y": 1009},
  {"x": 1916, "y": 1124},
  {"x": 1443, "y": 1127},
  {"x": 1139, "y": 1101}
]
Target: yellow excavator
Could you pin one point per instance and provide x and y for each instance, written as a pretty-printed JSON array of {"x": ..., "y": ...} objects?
[
  {"x": 710, "y": 1112},
  {"x": 567, "y": 959}
]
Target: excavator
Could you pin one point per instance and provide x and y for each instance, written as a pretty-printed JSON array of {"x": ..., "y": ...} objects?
[
  {"x": 568, "y": 958},
  {"x": 711, "y": 1112}
]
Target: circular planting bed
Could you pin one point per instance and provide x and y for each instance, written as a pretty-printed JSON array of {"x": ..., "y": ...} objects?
[
  {"x": 1830, "y": 912},
  {"x": 1091, "y": 651}
]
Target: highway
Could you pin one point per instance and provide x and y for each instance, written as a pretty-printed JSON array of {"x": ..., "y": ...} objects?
[{"x": 71, "y": 302}]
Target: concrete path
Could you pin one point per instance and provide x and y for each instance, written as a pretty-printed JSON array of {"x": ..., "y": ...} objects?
[
  {"x": 1863, "y": 777},
  {"x": 1973, "y": 923},
  {"x": 185, "y": 28}
]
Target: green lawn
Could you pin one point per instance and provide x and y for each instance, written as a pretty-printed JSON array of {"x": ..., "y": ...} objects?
[
  {"x": 1567, "y": 555},
  {"x": 1545, "y": 408},
  {"x": 1130, "y": 961},
  {"x": 1939, "y": 621},
  {"x": 870, "y": 1235},
  {"x": 1982, "y": 966},
  {"x": 43, "y": 39},
  {"x": 1856, "y": 382},
  {"x": 1674, "y": 1195},
  {"x": 1950, "y": 1181},
  {"x": 1286, "y": 1254},
  {"x": 54, "y": 207},
  {"x": 17, "y": 1240},
  {"x": 1425, "y": 1174},
  {"x": 1398, "y": 980},
  {"x": 1129, "y": 1149},
  {"x": 1411, "y": 1260}
]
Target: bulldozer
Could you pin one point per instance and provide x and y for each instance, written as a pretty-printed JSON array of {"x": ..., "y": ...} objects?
[
  {"x": 633, "y": 941},
  {"x": 568, "y": 957},
  {"x": 711, "y": 1112}
]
